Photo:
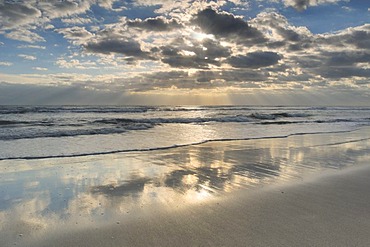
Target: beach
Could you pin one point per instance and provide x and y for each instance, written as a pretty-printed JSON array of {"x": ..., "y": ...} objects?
[
  {"x": 184, "y": 123},
  {"x": 304, "y": 189}
]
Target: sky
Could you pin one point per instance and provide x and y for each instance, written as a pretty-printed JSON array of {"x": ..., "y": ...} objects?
[{"x": 139, "y": 52}]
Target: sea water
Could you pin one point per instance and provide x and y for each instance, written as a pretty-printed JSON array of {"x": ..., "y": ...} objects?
[{"x": 31, "y": 132}]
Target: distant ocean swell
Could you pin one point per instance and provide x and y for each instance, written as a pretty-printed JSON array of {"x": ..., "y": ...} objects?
[
  {"x": 67, "y": 131},
  {"x": 142, "y": 109},
  {"x": 122, "y": 125}
]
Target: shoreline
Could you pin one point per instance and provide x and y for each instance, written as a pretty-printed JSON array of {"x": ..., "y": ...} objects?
[
  {"x": 302, "y": 190},
  {"x": 182, "y": 145}
]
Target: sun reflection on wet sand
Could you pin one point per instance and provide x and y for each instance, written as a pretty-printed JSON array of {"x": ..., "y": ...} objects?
[{"x": 41, "y": 196}]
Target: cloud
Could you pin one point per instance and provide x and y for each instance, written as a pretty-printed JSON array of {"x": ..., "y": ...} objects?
[
  {"x": 62, "y": 94},
  {"x": 346, "y": 58},
  {"x": 76, "y": 20},
  {"x": 122, "y": 46},
  {"x": 198, "y": 55},
  {"x": 79, "y": 35},
  {"x": 107, "y": 4},
  {"x": 226, "y": 25},
  {"x": 193, "y": 46},
  {"x": 31, "y": 46},
  {"x": 165, "y": 6},
  {"x": 21, "y": 17},
  {"x": 279, "y": 29},
  {"x": 255, "y": 60},
  {"x": 14, "y": 14},
  {"x": 40, "y": 68},
  {"x": 27, "y": 57},
  {"x": 357, "y": 36},
  {"x": 155, "y": 24},
  {"x": 56, "y": 8},
  {"x": 343, "y": 72},
  {"x": 301, "y": 5},
  {"x": 2, "y": 63},
  {"x": 25, "y": 35},
  {"x": 75, "y": 64},
  {"x": 201, "y": 79}
]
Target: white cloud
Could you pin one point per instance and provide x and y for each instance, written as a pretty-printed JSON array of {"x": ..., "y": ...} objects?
[
  {"x": 78, "y": 35},
  {"x": 25, "y": 35},
  {"x": 40, "y": 68},
  {"x": 55, "y": 8},
  {"x": 107, "y": 4},
  {"x": 31, "y": 46},
  {"x": 76, "y": 20},
  {"x": 27, "y": 57},
  {"x": 75, "y": 64},
  {"x": 220, "y": 49},
  {"x": 48, "y": 26},
  {"x": 2, "y": 63}
]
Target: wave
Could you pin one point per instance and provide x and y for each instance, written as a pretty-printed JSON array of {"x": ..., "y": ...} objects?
[
  {"x": 273, "y": 116},
  {"x": 227, "y": 118},
  {"x": 181, "y": 145},
  {"x": 364, "y": 120},
  {"x": 77, "y": 109},
  {"x": 122, "y": 125},
  {"x": 76, "y": 132},
  {"x": 283, "y": 122},
  {"x": 12, "y": 122},
  {"x": 238, "y": 118}
]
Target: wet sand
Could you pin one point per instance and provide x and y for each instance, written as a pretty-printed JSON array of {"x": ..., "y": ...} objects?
[
  {"x": 332, "y": 210},
  {"x": 304, "y": 190}
]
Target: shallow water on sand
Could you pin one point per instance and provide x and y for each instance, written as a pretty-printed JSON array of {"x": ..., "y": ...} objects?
[
  {"x": 67, "y": 131},
  {"x": 38, "y": 197}
]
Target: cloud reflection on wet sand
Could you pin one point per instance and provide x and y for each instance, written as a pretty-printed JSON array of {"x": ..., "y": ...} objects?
[{"x": 40, "y": 196}]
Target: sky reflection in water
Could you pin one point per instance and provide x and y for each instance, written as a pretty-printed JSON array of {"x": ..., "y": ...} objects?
[{"x": 41, "y": 195}]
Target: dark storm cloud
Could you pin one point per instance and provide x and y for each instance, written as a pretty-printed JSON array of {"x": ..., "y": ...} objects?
[
  {"x": 119, "y": 46},
  {"x": 155, "y": 24},
  {"x": 254, "y": 60},
  {"x": 228, "y": 26}
]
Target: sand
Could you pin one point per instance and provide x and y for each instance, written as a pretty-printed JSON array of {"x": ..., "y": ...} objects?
[
  {"x": 331, "y": 210},
  {"x": 318, "y": 196}
]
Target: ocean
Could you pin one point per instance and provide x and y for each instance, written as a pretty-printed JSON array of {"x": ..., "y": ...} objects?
[
  {"x": 66, "y": 171},
  {"x": 35, "y": 132}
]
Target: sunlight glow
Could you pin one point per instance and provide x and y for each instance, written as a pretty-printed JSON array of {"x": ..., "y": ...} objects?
[{"x": 201, "y": 36}]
